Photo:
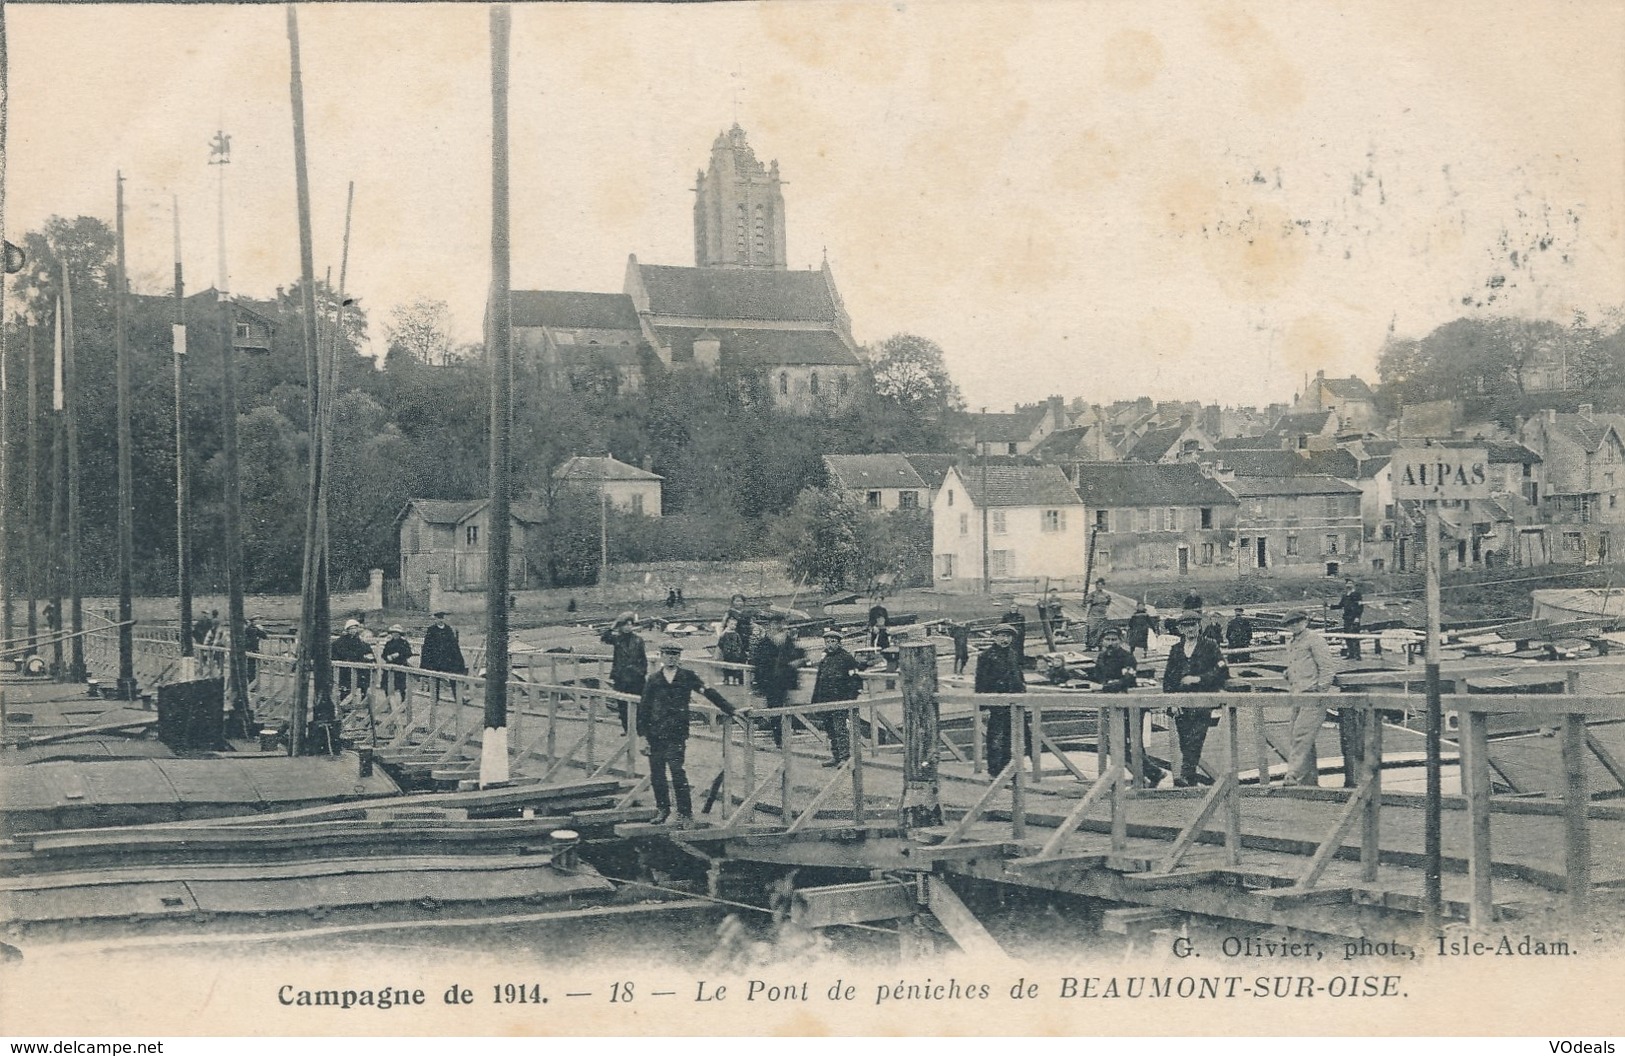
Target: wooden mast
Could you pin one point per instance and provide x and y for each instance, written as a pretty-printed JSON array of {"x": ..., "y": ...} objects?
[
  {"x": 126, "y": 480},
  {"x": 70, "y": 396},
  {"x": 183, "y": 524}
]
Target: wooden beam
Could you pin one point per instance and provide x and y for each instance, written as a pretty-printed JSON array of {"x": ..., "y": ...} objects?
[
  {"x": 836, "y": 779},
  {"x": 820, "y": 907},
  {"x": 1210, "y": 803},
  {"x": 978, "y": 808},
  {"x": 1074, "y": 818},
  {"x": 960, "y": 923},
  {"x": 1475, "y": 745},
  {"x": 1328, "y": 848},
  {"x": 1576, "y": 823}
]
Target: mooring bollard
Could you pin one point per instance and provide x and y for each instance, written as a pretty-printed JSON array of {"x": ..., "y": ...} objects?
[
  {"x": 565, "y": 845},
  {"x": 364, "y": 759}
]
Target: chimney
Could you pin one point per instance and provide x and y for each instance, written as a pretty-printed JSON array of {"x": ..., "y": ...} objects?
[
  {"x": 648, "y": 463},
  {"x": 1585, "y": 410},
  {"x": 1550, "y": 414},
  {"x": 1057, "y": 410},
  {"x": 1222, "y": 473}
]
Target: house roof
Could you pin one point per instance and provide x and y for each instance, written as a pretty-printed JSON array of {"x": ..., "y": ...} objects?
[
  {"x": 1350, "y": 388},
  {"x": 1114, "y": 484},
  {"x": 586, "y": 467},
  {"x": 1155, "y": 443},
  {"x": 1307, "y": 484},
  {"x": 440, "y": 511},
  {"x": 1500, "y": 451},
  {"x": 1270, "y": 462},
  {"x": 1248, "y": 443},
  {"x": 613, "y": 355},
  {"x": 1013, "y": 485},
  {"x": 1309, "y": 423},
  {"x": 749, "y": 347},
  {"x": 574, "y": 310},
  {"x": 1003, "y": 427},
  {"x": 738, "y": 293},
  {"x": 932, "y": 468},
  {"x": 862, "y": 472},
  {"x": 1061, "y": 445}
]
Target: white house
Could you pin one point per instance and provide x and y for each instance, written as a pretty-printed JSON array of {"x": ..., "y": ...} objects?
[
  {"x": 629, "y": 489},
  {"x": 1034, "y": 526}
]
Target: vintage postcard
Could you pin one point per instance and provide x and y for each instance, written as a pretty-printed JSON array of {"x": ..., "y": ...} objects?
[{"x": 822, "y": 518}]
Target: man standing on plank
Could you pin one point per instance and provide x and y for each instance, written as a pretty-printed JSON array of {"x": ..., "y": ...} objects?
[{"x": 663, "y": 714}]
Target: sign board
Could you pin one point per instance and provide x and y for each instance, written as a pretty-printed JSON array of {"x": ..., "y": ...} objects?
[{"x": 1441, "y": 473}]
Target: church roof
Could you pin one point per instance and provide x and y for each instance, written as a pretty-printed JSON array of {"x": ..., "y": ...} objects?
[
  {"x": 751, "y": 347},
  {"x": 574, "y": 310},
  {"x": 721, "y": 294}
]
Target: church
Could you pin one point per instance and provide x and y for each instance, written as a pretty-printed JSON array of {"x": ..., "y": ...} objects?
[{"x": 739, "y": 310}]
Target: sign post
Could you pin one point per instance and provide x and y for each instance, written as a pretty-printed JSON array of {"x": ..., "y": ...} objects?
[{"x": 1430, "y": 475}]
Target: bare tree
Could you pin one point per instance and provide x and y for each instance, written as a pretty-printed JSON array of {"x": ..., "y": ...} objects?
[{"x": 421, "y": 328}]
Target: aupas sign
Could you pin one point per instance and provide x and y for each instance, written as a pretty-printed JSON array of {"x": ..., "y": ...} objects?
[{"x": 1441, "y": 473}]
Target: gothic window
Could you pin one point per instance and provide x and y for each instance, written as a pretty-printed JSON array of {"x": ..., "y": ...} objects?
[
  {"x": 761, "y": 234},
  {"x": 739, "y": 230},
  {"x": 784, "y": 383},
  {"x": 812, "y": 383},
  {"x": 841, "y": 384}
]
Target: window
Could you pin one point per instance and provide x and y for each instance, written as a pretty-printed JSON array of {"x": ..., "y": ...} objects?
[
  {"x": 908, "y": 500},
  {"x": 761, "y": 234},
  {"x": 1012, "y": 446},
  {"x": 1572, "y": 542},
  {"x": 1608, "y": 480},
  {"x": 412, "y": 538},
  {"x": 1291, "y": 546},
  {"x": 964, "y": 524},
  {"x": 945, "y": 566},
  {"x": 998, "y": 563},
  {"x": 1143, "y": 517},
  {"x": 1207, "y": 517},
  {"x": 842, "y": 383},
  {"x": 472, "y": 535},
  {"x": 1054, "y": 521},
  {"x": 1207, "y": 553},
  {"x": 873, "y": 500},
  {"x": 1613, "y": 501},
  {"x": 812, "y": 383},
  {"x": 1170, "y": 520},
  {"x": 784, "y": 383},
  {"x": 1102, "y": 521},
  {"x": 1333, "y": 544},
  {"x": 637, "y": 505},
  {"x": 243, "y": 332},
  {"x": 997, "y": 517},
  {"x": 950, "y": 496},
  {"x": 1388, "y": 511},
  {"x": 739, "y": 230}
]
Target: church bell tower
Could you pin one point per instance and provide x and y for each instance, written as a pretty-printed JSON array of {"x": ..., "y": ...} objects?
[{"x": 738, "y": 208}]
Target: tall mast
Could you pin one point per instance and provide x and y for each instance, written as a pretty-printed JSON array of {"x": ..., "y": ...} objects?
[
  {"x": 70, "y": 385},
  {"x": 6, "y": 518},
  {"x": 220, "y": 156},
  {"x": 126, "y": 482},
  {"x": 54, "y": 548},
  {"x": 183, "y": 519},
  {"x": 236, "y": 686},
  {"x": 494, "y": 749}
]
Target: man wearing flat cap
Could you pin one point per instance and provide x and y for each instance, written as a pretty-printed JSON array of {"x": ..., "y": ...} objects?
[
  {"x": 629, "y": 664},
  {"x": 396, "y": 652},
  {"x": 663, "y": 714},
  {"x": 1309, "y": 669},
  {"x": 837, "y": 679},
  {"x": 998, "y": 670},
  {"x": 1116, "y": 671},
  {"x": 1195, "y": 665}
]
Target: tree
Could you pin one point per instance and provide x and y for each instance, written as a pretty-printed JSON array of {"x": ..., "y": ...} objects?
[
  {"x": 421, "y": 330},
  {"x": 909, "y": 371},
  {"x": 829, "y": 541}
]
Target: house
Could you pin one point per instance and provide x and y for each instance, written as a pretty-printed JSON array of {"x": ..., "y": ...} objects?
[
  {"x": 451, "y": 539},
  {"x": 1015, "y": 432},
  {"x": 1371, "y": 475},
  {"x": 1157, "y": 521},
  {"x": 1583, "y": 456},
  {"x": 253, "y": 322},
  {"x": 1034, "y": 526},
  {"x": 1308, "y": 524},
  {"x": 627, "y": 488},
  {"x": 933, "y": 468},
  {"x": 878, "y": 482},
  {"x": 1350, "y": 400},
  {"x": 1310, "y": 430},
  {"x": 1169, "y": 443}
]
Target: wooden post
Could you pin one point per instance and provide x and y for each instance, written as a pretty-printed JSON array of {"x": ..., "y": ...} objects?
[
  {"x": 1136, "y": 745},
  {"x": 1035, "y": 748},
  {"x": 1475, "y": 752},
  {"x": 977, "y": 718},
  {"x": 1114, "y": 774},
  {"x": 1371, "y": 829},
  {"x": 920, "y": 805},
  {"x": 1576, "y": 814},
  {"x": 858, "y": 812},
  {"x": 787, "y": 738},
  {"x": 1433, "y": 880},
  {"x": 725, "y": 791},
  {"x": 1232, "y": 799},
  {"x": 1261, "y": 746},
  {"x": 183, "y": 513},
  {"x": 126, "y": 478},
  {"x": 1018, "y": 780}
]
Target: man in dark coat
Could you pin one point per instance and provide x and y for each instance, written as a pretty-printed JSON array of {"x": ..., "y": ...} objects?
[
  {"x": 442, "y": 651},
  {"x": 1116, "y": 671},
  {"x": 253, "y": 638},
  {"x": 1139, "y": 630},
  {"x": 396, "y": 652},
  {"x": 1017, "y": 622},
  {"x": 1238, "y": 634},
  {"x": 349, "y": 648},
  {"x": 629, "y": 664},
  {"x": 663, "y": 720},
  {"x": 740, "y": 612},
  {"x": 998, "y": 670},
  {"x": 959, "y": 631},
  {"x": 1353, "y": 605},
  {"x": 837, "y": 679},
  {"x": 1097, "y": 610},
  {"x": 774, "y": 660},
  {"x": 1195, "y": 665}
]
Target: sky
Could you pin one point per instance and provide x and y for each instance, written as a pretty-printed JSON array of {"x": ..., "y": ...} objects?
[{"x": 1093, "y": 199}]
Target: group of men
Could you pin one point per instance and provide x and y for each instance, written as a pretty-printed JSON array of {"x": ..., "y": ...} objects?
[
  {"x": 664, "y": 697},
  {"x": 442, "y": 654}
]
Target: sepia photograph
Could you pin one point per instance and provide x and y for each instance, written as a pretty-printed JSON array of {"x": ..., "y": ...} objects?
[{"x": 812, "y": 517}]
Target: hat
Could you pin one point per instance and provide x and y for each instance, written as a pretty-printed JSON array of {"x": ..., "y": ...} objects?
[
  {"x": 1188, "y": 617},
  {"x": 440, "y": 615},
  {"x": 1240, "y": 609},
  {"x": 396, "y": 628},
  {"x": 1111, "y": 632},
  {"x": 833, "y": 633},
  {"x": 626, "y": 617},
  {"x": 1140, "y": 607},
  {"x": 1295, "y": 616},
  {"x": 348, "y": 624},
  {"x": 672, "y": 648},
  {"x": 1005, "y": 628}
]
